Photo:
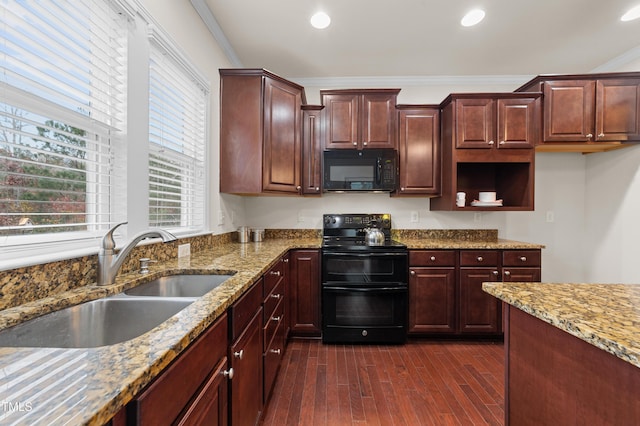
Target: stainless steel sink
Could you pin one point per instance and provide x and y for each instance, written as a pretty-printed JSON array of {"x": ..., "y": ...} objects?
[
  {"x": 91, "y": 324},
  {"x": 179, "y": 286}
]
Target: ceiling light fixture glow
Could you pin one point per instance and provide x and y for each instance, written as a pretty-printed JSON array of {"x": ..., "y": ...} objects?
[
  {"x": 472, "y": 18},
  {"x": 633, "y": 13},
  {"x": 320, "y": 20}
]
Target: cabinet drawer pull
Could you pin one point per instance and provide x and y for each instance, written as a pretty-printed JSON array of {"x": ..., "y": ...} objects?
[
  {"x": 495, "y": 273},
  {"x": 507, "y": 273},
  {"x": 480, "y": 258},
  {"x": 590, "y": 135},
  {"x": 228, "y": 373},
  {"x": 276, "y": 296},
  {"x": 275, "y": 351},
  {"x": 276, "y": 318},
  {"x": 433, "y": 258},
  {"x": 298, "y": 187},
  {"x": 276, "y": 273},
  {"x": 412, "y": 272},
  {"x": 523, "y": 258},
  {"x": 364, "y": 143},
  {"x": 355, "y": 143},
  {"x": 239, "y": 354}
]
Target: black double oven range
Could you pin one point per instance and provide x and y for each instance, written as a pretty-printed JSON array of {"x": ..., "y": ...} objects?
[{"x": 364, "y": 282}]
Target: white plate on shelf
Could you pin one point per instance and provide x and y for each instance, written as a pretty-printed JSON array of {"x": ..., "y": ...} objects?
[{"x": 496, "y": 203}]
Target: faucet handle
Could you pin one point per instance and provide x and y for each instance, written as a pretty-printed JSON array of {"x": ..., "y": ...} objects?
[
  {"x": 108, "y": 242},
  {"x": 144, "y": 264}
]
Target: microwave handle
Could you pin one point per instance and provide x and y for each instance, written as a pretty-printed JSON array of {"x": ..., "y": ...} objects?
[{"x": 379, "y": 172}]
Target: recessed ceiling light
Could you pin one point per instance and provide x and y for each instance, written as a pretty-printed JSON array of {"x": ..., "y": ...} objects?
[
  {"x": 320, "y": 20},
  {"x": 472, "y": 18},
  {"x": 633, "y": 13}
]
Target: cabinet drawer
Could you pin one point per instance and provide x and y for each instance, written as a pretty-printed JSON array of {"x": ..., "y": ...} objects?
[
  {"x": 210, "y": 405},
  {"x": 521, "y": 258},
  {"x": 272, "y": 300},
  {"x": 272, "y": 359},
  {"x": 271, "y": 323},
  {"x": 432, "y": 258},
  {"x": 273, "y": 276},
  {"x": 245, "y": 308},
  {"x": 478, "y": 258},
  {"x": 167, "y": 396}
]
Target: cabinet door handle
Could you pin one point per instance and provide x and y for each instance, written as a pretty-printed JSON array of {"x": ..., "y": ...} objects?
[
  {"x": 275, "y": 351},
  {"x": 590, "y": 135},
  {"x": 355, "y": 144},
  {"x": 276, "y": 296},
  {"x": 402, "y": 189},
  {"x": 412, "y": 272},
  {"x": 523, "y": 258},
  {"x": 364, "y": 143},
  {"x": 228, "y": 373},
  {"x": 491, "y": 142},
  {"x": 507, "y": 273},
  {"x": 285, "y": 260},
  {"x": 495, "y": 273},
  {"x": 317, "y": 188},
  {"x": 433, "y": 258},
  {"x": 298, "y": 187},
  {"x": 480, "y": 258},
  {"x": 276, "y": 273},
  {"x": 601, "y": 135},
  {"x": 502, "y": 142},
  {"x": 239, "y": 354},
  {"x": 276, "y": 319}
]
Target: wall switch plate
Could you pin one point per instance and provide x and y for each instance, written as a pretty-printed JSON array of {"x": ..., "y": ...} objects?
[
  {"x": 415, "y": 216},
  {"x": 184, "y": 250},
  {"x": 550, "y": 216}
]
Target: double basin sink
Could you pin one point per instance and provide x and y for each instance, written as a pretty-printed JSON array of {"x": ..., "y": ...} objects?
[{"x": 113, "y": 319}]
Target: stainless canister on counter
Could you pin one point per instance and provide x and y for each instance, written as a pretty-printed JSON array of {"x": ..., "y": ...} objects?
[
  {"x": 244, "y": 234},
  {"x": 258, "y": 235}
]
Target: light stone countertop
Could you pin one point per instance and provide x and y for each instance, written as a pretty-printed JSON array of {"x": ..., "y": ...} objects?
[
  {"x": 604, "y": 315},
  {"x": 89, "y": 386}
]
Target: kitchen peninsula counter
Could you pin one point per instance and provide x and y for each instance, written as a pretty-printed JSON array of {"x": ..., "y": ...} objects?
[{"x": 572, "y": 352}]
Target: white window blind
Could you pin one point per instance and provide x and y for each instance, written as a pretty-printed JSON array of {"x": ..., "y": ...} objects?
[
  {"x": 62, "y": 108},
  {"x": 177, "y": 134}
]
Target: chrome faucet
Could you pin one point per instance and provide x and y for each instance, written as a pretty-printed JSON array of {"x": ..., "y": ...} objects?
[{"x": 109, "y": 263}]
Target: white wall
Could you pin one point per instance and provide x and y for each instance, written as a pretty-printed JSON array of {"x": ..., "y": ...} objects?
[{"x": 594, "y": 199}]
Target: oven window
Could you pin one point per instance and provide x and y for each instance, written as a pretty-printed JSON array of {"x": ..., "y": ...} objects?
[
  {"x": 364, "y": 269},
  {"x": 348, "y": 308}
]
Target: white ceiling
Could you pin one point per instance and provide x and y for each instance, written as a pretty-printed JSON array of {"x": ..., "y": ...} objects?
[{"x": 402, "y": 38}]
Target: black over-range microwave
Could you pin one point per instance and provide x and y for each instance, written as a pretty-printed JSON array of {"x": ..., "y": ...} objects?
[{"x": 365, "y": 170}]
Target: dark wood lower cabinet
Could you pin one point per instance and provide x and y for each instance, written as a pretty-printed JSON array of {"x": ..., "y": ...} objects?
[
  {"x": 480, "y": 312},
  {"x": 304, "y": 294},
  {"x": 554, "y": 378},
  {"x": 193, "y": 389}
]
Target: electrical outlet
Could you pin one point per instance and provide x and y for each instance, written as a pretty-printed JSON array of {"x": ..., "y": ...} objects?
[
  {"x": 184, "y": 250},
  {"x": 550, "y": 216},
  {"x": 415, "y": 216}
]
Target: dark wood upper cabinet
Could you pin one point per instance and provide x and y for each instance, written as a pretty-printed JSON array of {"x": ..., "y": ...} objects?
[
  {"x": 260, "y": 133},
  {"x": 419, "y": 150},
  {"x": 588, "y": 112},
  {"x": 312, "y": 141},
  {"x": 360, "y": 119}
]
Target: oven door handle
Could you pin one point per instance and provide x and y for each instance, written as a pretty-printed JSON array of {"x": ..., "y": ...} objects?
[
  {"x": 368, "y": 254},
  {"x": 368, "y": 289}
]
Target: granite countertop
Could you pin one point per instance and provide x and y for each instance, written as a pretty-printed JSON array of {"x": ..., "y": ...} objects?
[
  {"x": 89, "y": 386},
  {"x": 604, "y": 315}
]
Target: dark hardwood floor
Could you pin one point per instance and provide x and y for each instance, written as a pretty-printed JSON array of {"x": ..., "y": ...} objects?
[{"x": 420, "y": 383}]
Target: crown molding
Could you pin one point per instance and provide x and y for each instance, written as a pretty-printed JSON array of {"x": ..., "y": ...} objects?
[
  {"x": 407, "y": 81},
  {"x": 619, "y": 61},
  {"x": 212, "y": 24}
]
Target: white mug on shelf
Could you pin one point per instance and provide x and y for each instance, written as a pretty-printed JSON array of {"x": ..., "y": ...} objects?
[{"x": 461, "y": 199}]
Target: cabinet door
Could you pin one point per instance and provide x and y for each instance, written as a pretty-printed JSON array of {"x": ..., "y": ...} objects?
[
  {"x": 432, "y": 304},
  {"x": 210, "y": 407},
  {"x": 304, "y": 294},
  {"x": 475, "y": 120},
  {"x": 246, "y": 385},
  {"x": 617, "y": 110},
  {"x": 282, "y": 147},
  {"x": 568, "y": 110},
  {"x": 480, "y": 313},
  {"x": 312, "y": 150},
  {"x": 378, "y": 121},
  {"x": 418, "y": 146},
  {"x": 342, "y": 121},
  {"x": 517, "y": 123}
]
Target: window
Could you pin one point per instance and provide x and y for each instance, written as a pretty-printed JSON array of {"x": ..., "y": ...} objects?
[
  {"x": 177, "y": 134},
  {"x": 62, "y": 109}
]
